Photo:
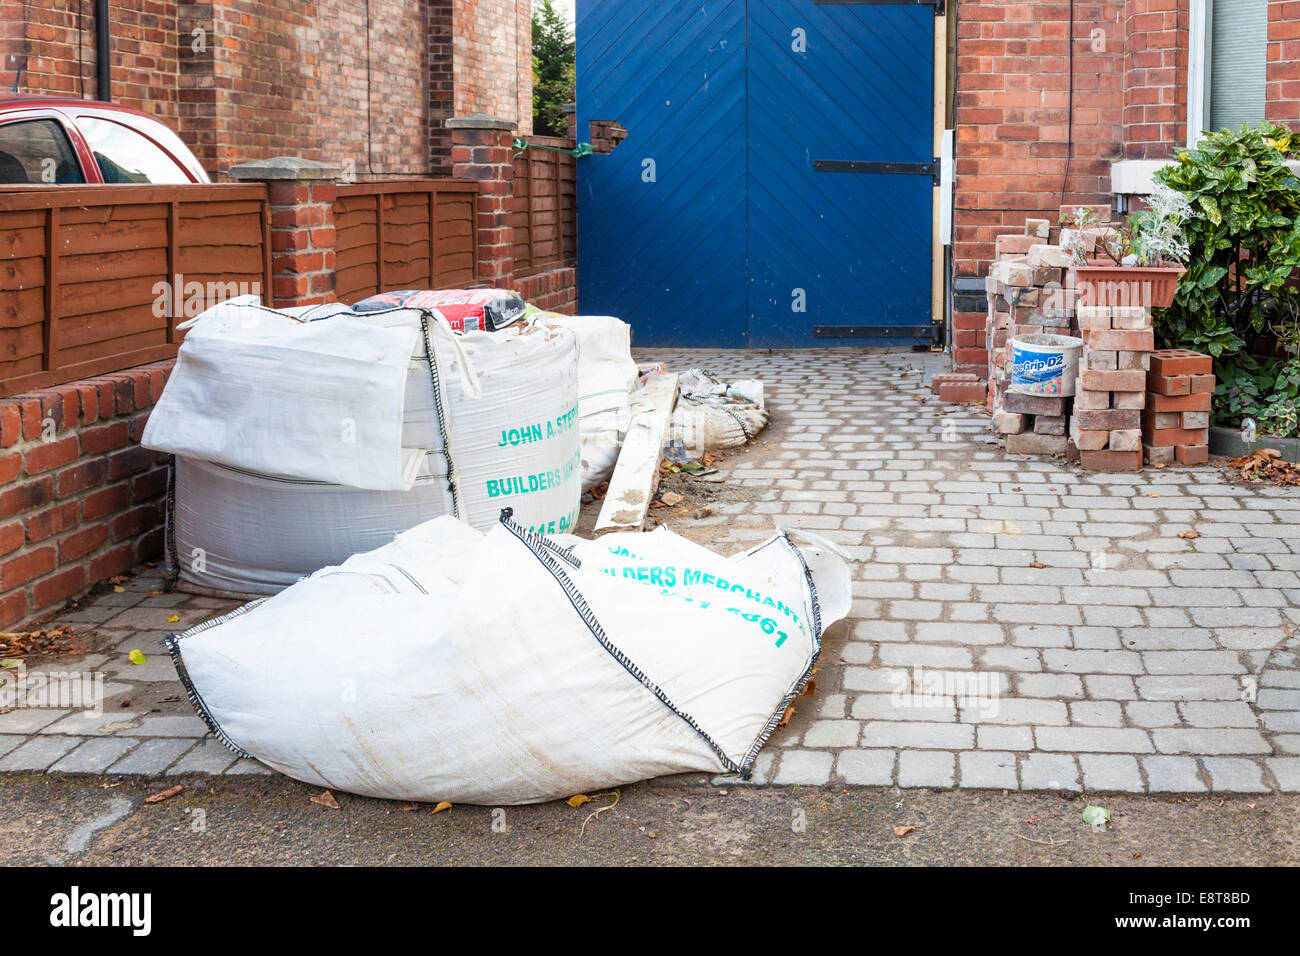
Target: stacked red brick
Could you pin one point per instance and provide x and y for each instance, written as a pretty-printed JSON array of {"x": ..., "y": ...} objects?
[
  {"x": 1176, "y": 420},
  {"x": 1107, "y": 425}
]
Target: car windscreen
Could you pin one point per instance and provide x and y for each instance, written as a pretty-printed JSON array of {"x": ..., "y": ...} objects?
[{"x": 125, "y": 156}]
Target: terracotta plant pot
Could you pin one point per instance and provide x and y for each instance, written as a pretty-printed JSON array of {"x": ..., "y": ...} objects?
[{"x": 1108, "y": 284}]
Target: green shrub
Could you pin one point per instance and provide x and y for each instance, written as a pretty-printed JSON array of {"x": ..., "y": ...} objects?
[{"x": 1238, "y": 301}]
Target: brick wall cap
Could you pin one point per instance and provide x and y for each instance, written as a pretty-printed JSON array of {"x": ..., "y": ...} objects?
[
  {"x": 569, "y": 108},
  {"x": 481, "y": 121},
  {"x": 284, "y": 168}
]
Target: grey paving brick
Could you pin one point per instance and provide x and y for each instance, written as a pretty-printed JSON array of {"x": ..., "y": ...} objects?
[
  {"x": 995, "y": 737},
  {"x": 1273, "y": 699},
  {"x": 1096, "y": 713},
  {"x": 95, "y": 755},
  {"x": 38, "y": 752},
  {"x": 213, "y": 757},
  {"x": 1200, "y": 687},
  {"x": 29, "y": 720},
  {"x": 1093, "y": 662},
  {"x": 1152, "y": 713},
  {"x": 1111, "y": 772},
  {"x": 806, "y": 767},
  {"x": 905, "y": 707},
  {"x": 987, "y": 769},
  {"x": 1192, "y": 662},
  {"x": 1129, "y": 740},
  {"x": 153, "y": 756},
  {"x": 1286, "y": 771},
  {"x": 1172, "y": 775},
  {"x": 1235, "y": 775},
  {"x": 832, "y": 733},
  {"x": 1044, "y": 771},
  {"x": 919, "y": 735},
  {"x": 1017, "y": 710},
  {"x": 1210, "y": 741},
  {"x": 1051, "y": 686},
  {"x": 959, "y": 633},
  {"x": 870, "y": 768},
  {"x": 1226, "y": 713},
  {"x": 925, "y": 769},
  {"x": 9, "y": 741},
  {"x": 246, "y": 766}
]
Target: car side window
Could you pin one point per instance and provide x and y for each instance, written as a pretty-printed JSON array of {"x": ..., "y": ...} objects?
[
  {"x": 37, "y": 151},
  {"x": 125, "y": 156}
]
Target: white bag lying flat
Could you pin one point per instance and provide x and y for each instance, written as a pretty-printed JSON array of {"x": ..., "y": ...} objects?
[{"x": 511, "y": 668}]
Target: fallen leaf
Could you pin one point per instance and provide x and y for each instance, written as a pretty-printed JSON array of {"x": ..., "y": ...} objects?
[
  {"x": 1096, "y": 816},
  {"x": 903, "y": 831},
  {"x": 1037, "y": 564},
  {"x": 442, "y": 806},
  {"x": 785, "y": 718},
  {"x": 173, "y": 619},
  {"x": 137, "y": 657},
  {"x": 119, "y": 589},
  {"x": 578, "y": 799},
  {"x": 1189, "y": 534},
  {"x": 326, "y": 799},
  {"x": 10, "y": 663},
  {"x": 671, "y": 498},
  {"x": 810, "y": 689},
  {"x": 409, "y": 807},
  {"x": 164, "y": 795}
]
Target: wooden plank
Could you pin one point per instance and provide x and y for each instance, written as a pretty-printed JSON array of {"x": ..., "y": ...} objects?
[
  {"x": 52, "y": 280},
  {"x": 380, "y": 230},
  {"x": 19, "y": 274},
  {"x": 636, "y": 475}
]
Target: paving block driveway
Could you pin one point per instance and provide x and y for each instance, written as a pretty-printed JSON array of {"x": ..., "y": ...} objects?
[{"x": 1016, "y": 623}]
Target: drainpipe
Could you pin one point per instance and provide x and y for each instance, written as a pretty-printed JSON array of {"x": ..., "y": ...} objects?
[{"x": 103, "y": 52}]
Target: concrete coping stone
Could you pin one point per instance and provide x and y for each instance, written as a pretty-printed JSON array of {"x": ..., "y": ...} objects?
[{"x": 285, "y": 168}]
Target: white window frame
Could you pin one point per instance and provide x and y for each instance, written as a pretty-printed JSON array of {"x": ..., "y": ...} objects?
[{"x": 1198, "y": 69}]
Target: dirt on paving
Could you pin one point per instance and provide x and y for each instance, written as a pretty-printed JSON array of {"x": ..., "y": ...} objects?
[{"x": 684, "y": 820}]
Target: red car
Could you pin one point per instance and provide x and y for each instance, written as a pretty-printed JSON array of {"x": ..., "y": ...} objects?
[{"x": 47, "y": 140}]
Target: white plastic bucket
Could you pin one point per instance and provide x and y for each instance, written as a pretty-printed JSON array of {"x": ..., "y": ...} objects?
[{"x": 1045, "y": 364}]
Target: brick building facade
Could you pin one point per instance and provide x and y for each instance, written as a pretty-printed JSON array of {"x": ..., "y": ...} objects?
[
  {"x": 1049, "y": 94},
  {"x": 363, "y": 84}
]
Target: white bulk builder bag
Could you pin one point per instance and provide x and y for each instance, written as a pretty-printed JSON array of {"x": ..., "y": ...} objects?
[
  {"x": 512, "y": 668},
  {"x": 304, "y": 437},
  {"x": 607, "y": 374}
]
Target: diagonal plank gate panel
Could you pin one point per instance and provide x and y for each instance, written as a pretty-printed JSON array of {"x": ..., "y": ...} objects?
[{"x": 775, "y": 187}]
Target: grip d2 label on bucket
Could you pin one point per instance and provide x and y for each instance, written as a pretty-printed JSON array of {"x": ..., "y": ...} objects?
[{"x": 1045, "y": 364}]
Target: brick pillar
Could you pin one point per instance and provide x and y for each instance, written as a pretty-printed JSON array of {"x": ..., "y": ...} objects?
[
  {"x": 570, "y": 111},
  {"x": 302, "y": 227},
  {"x": 483, "y": 150},
  {"x": 1155, "y": 78}
]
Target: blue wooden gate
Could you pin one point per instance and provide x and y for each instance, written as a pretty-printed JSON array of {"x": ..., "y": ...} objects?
[{"x": 775, "y": 185}]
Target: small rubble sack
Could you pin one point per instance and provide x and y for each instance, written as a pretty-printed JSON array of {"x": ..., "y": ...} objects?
[{"x": 513, "y": 668}]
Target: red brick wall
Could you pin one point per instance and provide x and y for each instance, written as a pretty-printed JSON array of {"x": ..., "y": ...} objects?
[
  {"x": 494, "y": 59},
  {"x": 1130, "y": 102},
  {"x": 296, "y": 77},
  {"x": 554, "y": 291},
  {"x": 1155, "y": 78},
  {"x": 1013, "y": 107},
  {"x": 1283, "y": 90},
  {"x": 80, "y": 500}
]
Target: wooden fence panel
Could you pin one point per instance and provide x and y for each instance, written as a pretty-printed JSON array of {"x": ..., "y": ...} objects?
[
  {"x": 545, "y": 209},
  {"x": 95, "y": 279},
  {"x": 404, "y": 234}
]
